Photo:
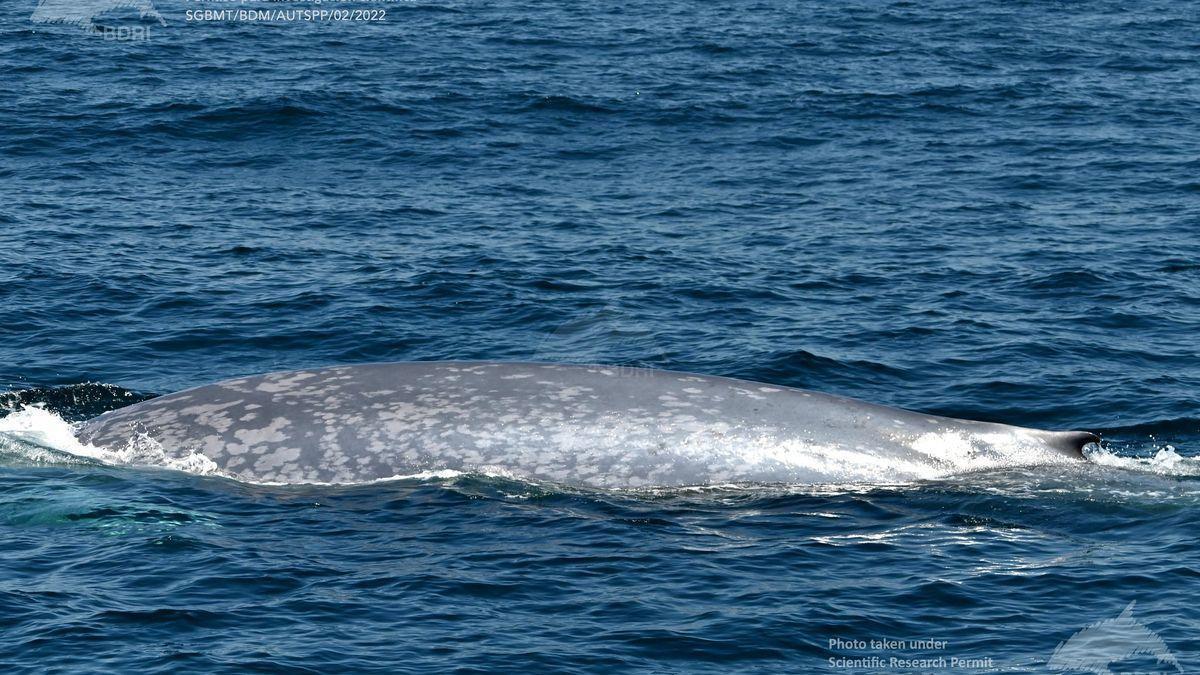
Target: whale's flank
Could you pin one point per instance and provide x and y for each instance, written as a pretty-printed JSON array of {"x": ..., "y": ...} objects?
[{"x": 599, "y": 426}]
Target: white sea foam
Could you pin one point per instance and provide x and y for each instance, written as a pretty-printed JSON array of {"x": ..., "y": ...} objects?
[
  {"x": 1165, "y": 462},
  {"x": 442, "y": 474},
  {"x": 39, "y": 435},
  {"x": 36, "y": 434}
]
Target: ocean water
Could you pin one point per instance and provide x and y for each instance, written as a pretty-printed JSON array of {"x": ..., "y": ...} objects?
[{"x": 984, "y": 210}]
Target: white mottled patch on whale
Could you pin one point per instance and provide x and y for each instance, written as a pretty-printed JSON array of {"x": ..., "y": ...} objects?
[
  {"x": 272, "y": 462},
  {"x": 213, "y": 416},
  {"x": 282, "y": 382},
  {"x": 568, "y": 393},
  {"x": 202, "y": 409},
  {"x": 670, "y": 401},
  {"x": 212, "y": 445},
  {"x": 272, "y": 433}
]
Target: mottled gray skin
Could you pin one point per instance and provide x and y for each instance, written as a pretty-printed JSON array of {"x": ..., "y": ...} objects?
[{"x": 602, "y": 426}]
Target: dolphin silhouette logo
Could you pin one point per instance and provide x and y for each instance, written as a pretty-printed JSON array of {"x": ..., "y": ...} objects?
[
  {"x": 1098, "y": 646},
  {"x": 82, "y": 12}
]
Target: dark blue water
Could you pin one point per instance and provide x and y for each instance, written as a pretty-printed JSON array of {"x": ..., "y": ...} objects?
[{"x": 985, "y": 210}]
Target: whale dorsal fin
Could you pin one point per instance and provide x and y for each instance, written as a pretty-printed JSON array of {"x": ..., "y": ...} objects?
[{"x": 1071, "y": 442}]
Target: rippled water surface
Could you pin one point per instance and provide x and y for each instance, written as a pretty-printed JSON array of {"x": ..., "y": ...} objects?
[{"x": 984, "y": 210}]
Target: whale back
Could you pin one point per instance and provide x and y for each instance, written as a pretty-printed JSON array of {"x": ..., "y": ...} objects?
[{"x": 605, "y": 426}]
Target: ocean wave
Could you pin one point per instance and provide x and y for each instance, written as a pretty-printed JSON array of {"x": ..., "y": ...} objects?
[{"x": 1167, "y": 427}]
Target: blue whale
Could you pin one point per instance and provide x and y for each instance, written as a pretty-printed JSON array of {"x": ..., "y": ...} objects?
[{"x": 599, "y": 426}]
